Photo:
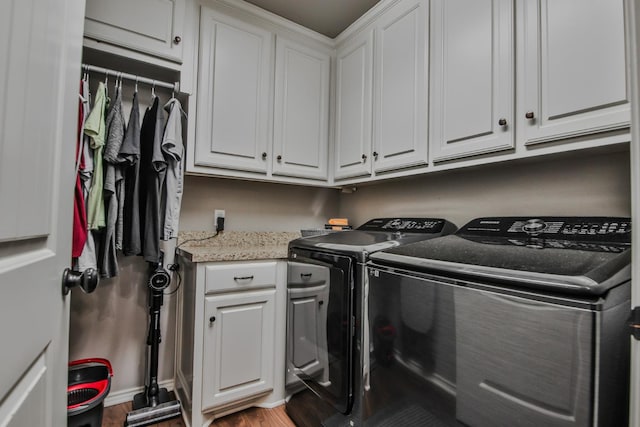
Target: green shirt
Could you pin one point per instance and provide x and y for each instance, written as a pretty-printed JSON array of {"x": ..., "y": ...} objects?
[{"x": 94, "y": 127}]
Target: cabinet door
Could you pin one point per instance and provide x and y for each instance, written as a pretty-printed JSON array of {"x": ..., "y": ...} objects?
[
  {"x": 400, "y": 86},
  {"x": 238, "y": 351},
  {"x": 148, "y": 26},
  {"x": 571, "y": 69},
  {"x": 472, "y": 78},
  {"x": 354, "y": 62},
  {"x": 301, "y": 116},
  {"x": 232, "y": 124}
]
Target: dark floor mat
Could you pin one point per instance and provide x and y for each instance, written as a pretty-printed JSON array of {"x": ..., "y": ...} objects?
[{"x": 404, "y": 416}]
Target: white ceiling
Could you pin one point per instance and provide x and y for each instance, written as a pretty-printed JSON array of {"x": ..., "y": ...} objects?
[{"x": 328, "y": 17}]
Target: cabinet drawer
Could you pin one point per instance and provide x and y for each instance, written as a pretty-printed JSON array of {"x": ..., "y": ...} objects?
[{"x": 240, "y": 276}]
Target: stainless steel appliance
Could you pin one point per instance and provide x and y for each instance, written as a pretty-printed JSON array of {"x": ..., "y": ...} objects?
[
  {"x": 325, "y": 318},
  {"x": 508, "y": 322}
]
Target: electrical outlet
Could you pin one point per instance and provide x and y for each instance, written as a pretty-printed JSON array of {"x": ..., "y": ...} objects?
[{"x": 218, "y": 219}]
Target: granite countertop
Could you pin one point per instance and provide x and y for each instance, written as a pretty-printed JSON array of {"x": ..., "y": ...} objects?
[{"x": 202, "y": 246}]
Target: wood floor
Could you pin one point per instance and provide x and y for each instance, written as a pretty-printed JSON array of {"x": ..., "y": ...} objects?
[{"x": 114, "y": 416}]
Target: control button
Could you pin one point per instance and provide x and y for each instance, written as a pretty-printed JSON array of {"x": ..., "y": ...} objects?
[{"x": 534, "y": 226}]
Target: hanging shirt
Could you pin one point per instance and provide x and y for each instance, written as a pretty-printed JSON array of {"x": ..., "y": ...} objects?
[
  {"x": 80, "y": 230},
  {"x": 130, "y": 155},
  {"x": 96, "y": 129},
  {"x": 115, "y": 133},
  {"x": 173, "y": 150},
  {"x": 152, "y": 173},
  {"x": 87, "y": 258}
]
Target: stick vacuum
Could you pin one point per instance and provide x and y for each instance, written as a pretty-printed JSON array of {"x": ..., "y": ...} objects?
[{"x": 154, "y": 404}]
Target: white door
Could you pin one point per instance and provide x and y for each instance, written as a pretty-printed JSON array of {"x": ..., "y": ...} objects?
[
  {"x": 148, "y": 26},
  {"x": 354, "y": 63},
  {"x": 238, "y": 348},
  {"x": 234, "y": 93},
  {"x": 472, "y": 78},
  {"x": 633, "y": 54},
  {"x": 40, "y": 57},
  {"x": 400, "y": 91},
  {"x": 301, "y": 113},
  {"x": 571, "y": 69}
]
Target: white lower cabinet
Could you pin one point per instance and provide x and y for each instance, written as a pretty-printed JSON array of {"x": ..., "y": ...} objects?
[
  {"x": 239, "y": 337},
  {"x": 230, "y": 343}
]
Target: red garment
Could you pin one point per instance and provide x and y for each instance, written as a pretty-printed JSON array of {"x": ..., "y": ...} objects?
[{"x": 80, "y": 228}]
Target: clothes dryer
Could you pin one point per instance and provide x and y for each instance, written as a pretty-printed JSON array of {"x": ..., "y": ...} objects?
[
  {"x": 508, "y": 322},
  {"x": 327, "y": 333}
]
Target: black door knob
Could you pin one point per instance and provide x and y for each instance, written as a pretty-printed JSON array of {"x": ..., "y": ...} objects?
[{"x": 87, "y": 280}]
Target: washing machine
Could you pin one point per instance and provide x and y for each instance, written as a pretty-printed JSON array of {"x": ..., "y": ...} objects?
[
  {"x": 327, "y": 333},
  {"x": 508, "y": 322}
]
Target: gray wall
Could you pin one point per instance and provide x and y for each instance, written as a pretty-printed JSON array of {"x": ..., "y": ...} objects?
[
  {"x": 576, "y": 183},
  {"x": 112, "y": 322}
]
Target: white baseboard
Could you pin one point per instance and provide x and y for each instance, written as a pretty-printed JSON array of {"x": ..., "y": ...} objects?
[
  {"x": 122, "y": 396},
  {"x": 271, "y": 405}
]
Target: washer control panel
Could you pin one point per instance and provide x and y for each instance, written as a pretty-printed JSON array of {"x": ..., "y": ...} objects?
[
  {"x": 406, "y": 225},
  {"x": 604, "y": 229}
]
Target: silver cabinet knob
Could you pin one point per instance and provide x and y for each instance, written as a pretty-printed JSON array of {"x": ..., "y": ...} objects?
[
  {"x": 177, "y": 39},
  {"x": 529, "y": 115},
  {"x": 364, "y": 158},
  {"x": 502, "y": 122}
]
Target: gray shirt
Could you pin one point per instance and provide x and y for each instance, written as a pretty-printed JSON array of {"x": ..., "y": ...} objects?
[
  {"x": 130, "y": 155},
  {"x": 152, "y": 173},
  {"x": 112, "y": 182},
  {"x": 173, "y": 150}
]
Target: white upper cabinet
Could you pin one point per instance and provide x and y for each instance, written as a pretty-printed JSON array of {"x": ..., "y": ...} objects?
[
  {"x": 353, "y": 112},
  {"x": 400, "y": 86},
  {"x": 572, "y": 79},
  {"x": 234, "y": 81},
  {"x": 472, "y": 78},
  {"x": 153, "y": 27},
  {"x": 301, "y": 114}
]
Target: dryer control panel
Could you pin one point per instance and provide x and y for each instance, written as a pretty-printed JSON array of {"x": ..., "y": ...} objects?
[{"x": 584, "y": 229}]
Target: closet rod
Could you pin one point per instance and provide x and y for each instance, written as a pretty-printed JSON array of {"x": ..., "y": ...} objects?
[{"x": 173, "y": 86}]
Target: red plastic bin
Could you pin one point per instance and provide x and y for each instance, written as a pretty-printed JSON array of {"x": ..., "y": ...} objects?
[{"x": 89, "y": 383}]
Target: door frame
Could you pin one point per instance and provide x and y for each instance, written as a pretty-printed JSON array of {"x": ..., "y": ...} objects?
[{"x": 632, "y": 13}]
